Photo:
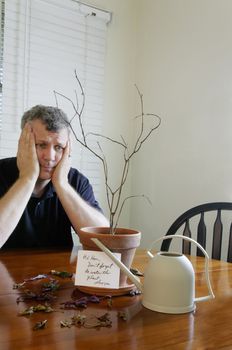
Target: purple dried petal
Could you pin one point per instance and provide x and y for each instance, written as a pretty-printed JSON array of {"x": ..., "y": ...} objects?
[
  {"x": 34, "y": 296},
  {"x": 94, "y": 299},
  {"x": 85, "y": 299},
  {"x": 81, "y": 304}
]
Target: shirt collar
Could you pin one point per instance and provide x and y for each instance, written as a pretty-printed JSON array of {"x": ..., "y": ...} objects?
[{"x": 48, "y": 191}]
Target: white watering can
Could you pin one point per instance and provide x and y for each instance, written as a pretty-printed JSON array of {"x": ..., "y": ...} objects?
[{"x": 169, "y": 279}]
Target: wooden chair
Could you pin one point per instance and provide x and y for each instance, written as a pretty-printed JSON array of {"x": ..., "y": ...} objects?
[{"x": 202, "y": 233}]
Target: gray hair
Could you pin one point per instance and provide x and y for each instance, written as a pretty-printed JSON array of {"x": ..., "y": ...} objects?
[{"x": 52, "y": 117}]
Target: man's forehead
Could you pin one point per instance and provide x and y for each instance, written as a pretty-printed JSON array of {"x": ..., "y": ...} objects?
[
  {"x": 42, "y": 134},
  {"x": 51, "y": 136}
]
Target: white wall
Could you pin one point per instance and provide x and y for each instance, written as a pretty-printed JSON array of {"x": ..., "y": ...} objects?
[
  {"x": 179, "y": 53},
  {"x": 184, "y": 69}
]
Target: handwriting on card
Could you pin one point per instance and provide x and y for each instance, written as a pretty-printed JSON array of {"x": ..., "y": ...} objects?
[{"x": 96, "y": 269}]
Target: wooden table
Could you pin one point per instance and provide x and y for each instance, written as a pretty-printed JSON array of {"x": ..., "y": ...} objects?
[{"x": 209, "y": 327}]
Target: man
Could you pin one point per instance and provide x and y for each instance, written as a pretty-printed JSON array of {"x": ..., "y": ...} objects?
[{"x": 41, "y": 197}]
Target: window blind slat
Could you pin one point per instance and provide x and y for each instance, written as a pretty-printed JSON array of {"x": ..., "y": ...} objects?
[{"x": 44, "y": 42}]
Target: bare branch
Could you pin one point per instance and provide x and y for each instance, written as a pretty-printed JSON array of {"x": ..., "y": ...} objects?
[
  {"x": 107, "y": 138},
  {"x": 115, "y": 204},
  {"x": 136, "y": 149},
  {"x": 123, "y": 203}
]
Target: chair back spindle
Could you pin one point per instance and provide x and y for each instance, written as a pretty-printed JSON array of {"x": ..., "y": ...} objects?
[
  {"x": 217, "y": 237},
  {"x": 229, "y": 256},
  {"x": 186, "y": 245},
  {"x": 201, "y": 234}
]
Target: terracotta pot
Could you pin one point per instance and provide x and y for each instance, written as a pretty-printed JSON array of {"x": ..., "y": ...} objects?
[{"x": 124, "y": 241}]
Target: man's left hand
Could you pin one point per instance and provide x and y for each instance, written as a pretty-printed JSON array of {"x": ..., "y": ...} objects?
[{"x": 60, "y": 174}]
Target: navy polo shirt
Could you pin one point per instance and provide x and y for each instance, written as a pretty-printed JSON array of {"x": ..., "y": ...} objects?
[{"x": 44, "y": 222}]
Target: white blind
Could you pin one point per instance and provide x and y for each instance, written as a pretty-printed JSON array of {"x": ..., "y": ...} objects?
[{"x": 45, "y": 41}]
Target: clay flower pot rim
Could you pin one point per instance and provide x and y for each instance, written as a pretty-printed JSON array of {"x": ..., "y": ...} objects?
[{"x": 120, "y": 231}]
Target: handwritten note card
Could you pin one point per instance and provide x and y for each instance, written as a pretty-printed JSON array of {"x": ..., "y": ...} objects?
[{"x": 96, "y": 269}]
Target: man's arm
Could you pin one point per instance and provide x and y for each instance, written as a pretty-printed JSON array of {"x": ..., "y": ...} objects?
[
  {"x": 13, "y": 203},
  {"x": 80, "y": 213}
]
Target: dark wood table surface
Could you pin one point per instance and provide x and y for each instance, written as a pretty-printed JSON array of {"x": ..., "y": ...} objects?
[{"x": 133, "y": 326}]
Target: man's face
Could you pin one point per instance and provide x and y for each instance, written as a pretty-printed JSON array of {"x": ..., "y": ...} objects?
[{"x": 49, "y": 147}]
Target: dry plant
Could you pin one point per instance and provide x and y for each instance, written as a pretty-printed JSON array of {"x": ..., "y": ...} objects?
[{"x": 115, "y": 200}]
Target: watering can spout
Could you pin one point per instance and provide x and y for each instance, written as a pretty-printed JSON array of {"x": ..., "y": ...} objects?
[{"x": 127, "y": 272}]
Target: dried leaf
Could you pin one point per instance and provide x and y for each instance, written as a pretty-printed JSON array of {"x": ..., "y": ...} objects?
[
  {"x": 18, "y": 285},
  {"x": 38, "y": 308},
  {"x": 134, "y": 292},
  {"x": 29, "y": 295},
  {"x": 104, "y": 318},
  {"x": 81, "y": 302},
  {"x": 65, "y": 323},
  {"x": 98, "y": 322},
  {"x": 62, "y": 274},
  {"x": 122, "y": 315},
  {"x": 52, "y": 285},
  {"x": 109, "y": 302},
  {"x": 136, "y": 272},
  {"x": 27, "y": 311},
  {"x": 78, "y": 320},
  {"x": 38, "y": 277},
  {"x": 31, "y": 279},
  {"x": 40, "y": 325}
]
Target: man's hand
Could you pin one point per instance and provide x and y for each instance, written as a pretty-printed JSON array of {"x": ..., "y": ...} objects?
[
  {"x": 60, "y": 174},
  {"x": 27, "y": 160},
  {"x": 13, "y": 203},
  {"x": 79, "y": 212}
]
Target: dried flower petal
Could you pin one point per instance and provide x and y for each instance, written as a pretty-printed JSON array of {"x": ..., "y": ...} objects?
[
  {"x": 74, "y": 304},
  {"x": 94, "y": 299},
  {"x": 81, "y": 302}
]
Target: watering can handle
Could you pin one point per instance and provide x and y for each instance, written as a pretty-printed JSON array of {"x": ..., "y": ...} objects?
[{"x": 211, "y": 294}]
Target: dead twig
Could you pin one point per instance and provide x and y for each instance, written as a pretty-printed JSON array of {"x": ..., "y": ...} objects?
[{"x": 114, "y": 196}]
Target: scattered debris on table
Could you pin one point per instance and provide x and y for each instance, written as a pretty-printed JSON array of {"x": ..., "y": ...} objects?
[{"x": 46, "y": 292}]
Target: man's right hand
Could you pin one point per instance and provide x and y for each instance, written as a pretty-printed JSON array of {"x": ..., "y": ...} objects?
[
  {"x": 27, "y": 160},
  {"x": 14, "y": 201}
]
